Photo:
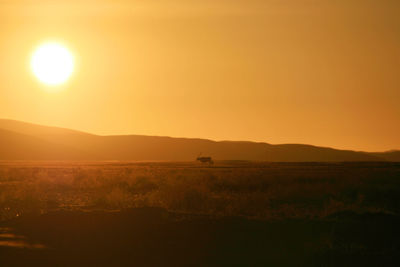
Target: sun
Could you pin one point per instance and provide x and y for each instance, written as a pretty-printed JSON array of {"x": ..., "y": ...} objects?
[{"x": 52, "y": 63}]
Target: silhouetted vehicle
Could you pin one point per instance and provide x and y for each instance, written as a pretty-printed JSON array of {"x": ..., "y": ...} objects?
[{"x": 205, "y": 160}]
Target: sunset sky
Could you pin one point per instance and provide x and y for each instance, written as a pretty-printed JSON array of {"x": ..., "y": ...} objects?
[{"x": 322, "y": 72}]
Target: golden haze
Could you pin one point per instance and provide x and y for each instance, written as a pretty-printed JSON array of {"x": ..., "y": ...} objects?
[{"x": 318, "y": 72}]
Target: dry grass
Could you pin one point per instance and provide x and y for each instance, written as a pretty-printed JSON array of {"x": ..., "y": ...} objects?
[{"x": 254, "y": 190}]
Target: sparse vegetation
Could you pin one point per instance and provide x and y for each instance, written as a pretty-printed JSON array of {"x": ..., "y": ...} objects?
[
  {"x": 229, "y": 213},
  {"x": 254, "y": 190}
]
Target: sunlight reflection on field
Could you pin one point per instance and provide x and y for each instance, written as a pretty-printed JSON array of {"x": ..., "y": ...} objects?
[
  {"x": 249, "y": 189},
  {"x": 9, "y": 239}
]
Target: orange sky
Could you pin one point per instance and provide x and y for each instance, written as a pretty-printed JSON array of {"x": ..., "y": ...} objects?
[{"x": 280, "y": 71}]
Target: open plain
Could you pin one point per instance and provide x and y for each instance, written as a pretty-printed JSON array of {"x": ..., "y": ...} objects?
[{"x": 181, "y": 213}]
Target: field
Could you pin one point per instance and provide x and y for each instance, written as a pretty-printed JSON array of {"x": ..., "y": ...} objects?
[{"x": 179, "y": 214}]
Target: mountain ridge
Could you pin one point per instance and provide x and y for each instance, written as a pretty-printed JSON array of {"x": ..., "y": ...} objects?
[{"x": 66, "y": 144}]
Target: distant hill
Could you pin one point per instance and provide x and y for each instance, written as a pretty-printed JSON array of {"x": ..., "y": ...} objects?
[
  {"x": 16, "y": 146},
  {"x": 26, "y": 141},
  {"x": 393, "y": 155}
]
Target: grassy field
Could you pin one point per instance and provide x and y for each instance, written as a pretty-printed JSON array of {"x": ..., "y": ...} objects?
[{"x": 244, "y": 213}]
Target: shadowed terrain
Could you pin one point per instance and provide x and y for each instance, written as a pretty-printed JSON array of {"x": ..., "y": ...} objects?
[
  {"x": 154, "y": 237},
  {"x": 187, "y": 214}
]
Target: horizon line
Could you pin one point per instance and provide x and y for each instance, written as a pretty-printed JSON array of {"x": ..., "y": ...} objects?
[{"x": 199, "y": 138}]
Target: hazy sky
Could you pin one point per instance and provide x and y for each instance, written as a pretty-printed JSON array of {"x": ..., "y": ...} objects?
[{"x": 323, "y": 72}]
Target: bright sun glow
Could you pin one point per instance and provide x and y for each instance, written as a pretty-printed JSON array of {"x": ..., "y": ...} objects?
[{"x": 52, "y": 63}]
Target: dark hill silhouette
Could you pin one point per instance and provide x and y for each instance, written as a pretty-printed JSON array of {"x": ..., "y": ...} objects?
[
  {"x": 393, "y": 155},
  {"x": 35, "y": 129},
  {"x": 16, "y": 146},
  {"x": 26, "y": 141}
]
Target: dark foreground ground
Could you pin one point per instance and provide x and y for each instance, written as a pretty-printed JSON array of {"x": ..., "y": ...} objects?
[
  {"x": 170, "y": 214},
  {"x": 154, "y": 237}
]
